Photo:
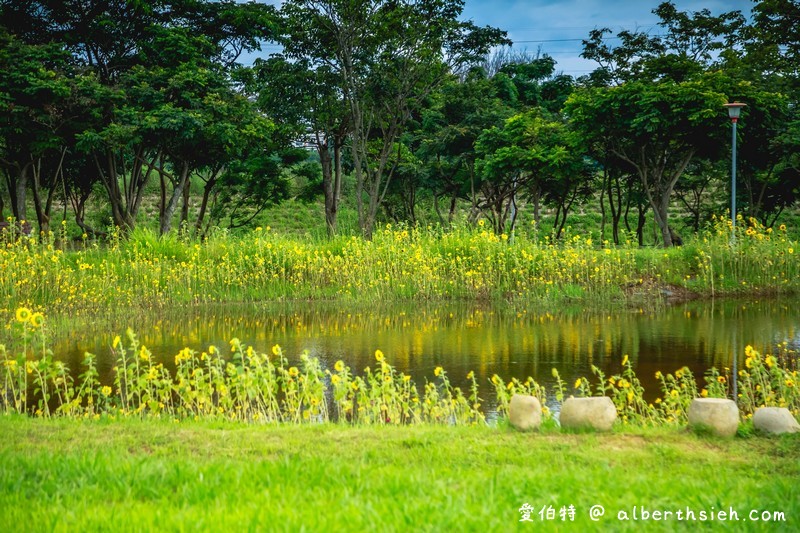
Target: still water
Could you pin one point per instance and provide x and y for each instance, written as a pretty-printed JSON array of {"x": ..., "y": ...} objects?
[{"x": 460, "y": 337}]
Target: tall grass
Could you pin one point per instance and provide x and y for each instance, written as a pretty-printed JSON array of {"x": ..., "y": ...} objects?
[
  {"x": 241, "y": 384},
  {"x": 146, "y": 271}
]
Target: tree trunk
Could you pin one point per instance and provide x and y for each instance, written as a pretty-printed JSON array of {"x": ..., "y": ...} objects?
[
  {"x": 185, "y": 207},
  {"x": 18, "y": 207},
  {"x": 212, "y": 181},
  {"x": 328, "y": 185},
  {"x": 168, "y": 211}
]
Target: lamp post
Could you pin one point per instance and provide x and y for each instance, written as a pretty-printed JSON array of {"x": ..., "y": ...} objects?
[{"x": 734, "y": 110}]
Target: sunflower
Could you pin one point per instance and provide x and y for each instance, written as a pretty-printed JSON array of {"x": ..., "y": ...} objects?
[
  {"x": 23, "y": 314},
  {"x": 36, "y": 320}
]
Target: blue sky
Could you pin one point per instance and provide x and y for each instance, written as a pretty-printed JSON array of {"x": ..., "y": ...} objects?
[{"x": 559, "y": 25}]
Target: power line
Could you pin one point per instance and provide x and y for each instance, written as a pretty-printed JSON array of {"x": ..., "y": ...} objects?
[{"x": 573, "y": 40}]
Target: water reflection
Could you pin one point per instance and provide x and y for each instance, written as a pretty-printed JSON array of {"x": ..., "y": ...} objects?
[{"x": 460, "y": 337}]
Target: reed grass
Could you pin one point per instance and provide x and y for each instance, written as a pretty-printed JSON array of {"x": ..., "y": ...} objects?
[{"x": 400, "y": 263}]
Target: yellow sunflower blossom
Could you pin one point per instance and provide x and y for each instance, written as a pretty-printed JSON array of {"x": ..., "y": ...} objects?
[
  {"x": 36, "y": 320},
  {"x": 23, "y": 314}
]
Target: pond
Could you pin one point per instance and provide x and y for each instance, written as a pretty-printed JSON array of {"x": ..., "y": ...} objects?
[{"x": 461, "y": 337}]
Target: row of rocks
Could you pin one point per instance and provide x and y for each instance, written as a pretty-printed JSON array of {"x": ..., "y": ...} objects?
[{"x": 718, "y": 415}]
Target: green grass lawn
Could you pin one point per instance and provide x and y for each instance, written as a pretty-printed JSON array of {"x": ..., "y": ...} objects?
[{"x": 131, "y": 475}]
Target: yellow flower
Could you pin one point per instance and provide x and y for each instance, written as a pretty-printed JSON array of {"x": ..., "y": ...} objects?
[
  {"x": 704, "y": 393},
  {"x": 578, "y": 383},
  {"x": 625, "y": 360},
  {"x": 791, "y": 250},
  {"x": 293, "y": 371},
  {"x": 721, "y": 379},
  {"x": 471, "y": 375},
  {"x": 379, "y": 356},
  {"x": 23, "y": 314},
  {"x": 276, "y": 350},
  {"x": 437, "y": 371},
  {"x": 36, "y": 320},
  {"x": 235, "y": 344},
  {"x": 144, "y": 354},
  {"x": 335, "y": 379},
  {"x": 406, "y": 378},
  {"x": 116, "y": 342},
  {"x": 770, "y": 361},
  {"x": 106, "y": 391},
  {"x": 339, "y": 366}
]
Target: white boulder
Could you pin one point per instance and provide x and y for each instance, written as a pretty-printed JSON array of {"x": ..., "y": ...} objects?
[
  {"x": 719, "y": 415},
  {"x": 596, "y": 412},
  {"x": 775, "y": 420},
  {"x": 525, "y": 412}
]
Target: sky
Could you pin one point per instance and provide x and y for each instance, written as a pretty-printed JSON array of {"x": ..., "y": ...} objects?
[{"x": 558, "y": 26}]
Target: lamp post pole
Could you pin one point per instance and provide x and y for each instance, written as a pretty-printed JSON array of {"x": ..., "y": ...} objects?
[{"x": 734, "y": 110}]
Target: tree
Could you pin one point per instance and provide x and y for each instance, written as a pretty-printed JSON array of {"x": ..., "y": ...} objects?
[
  {"x": 161, "y": 68},
  {"x": 656, "y": 129},
  {"x": 308, "y": 101},
  {"x": 654, "y": 103},
  {"x": 535, "y": 154},
  {"x": 449, "y": 127},
  {"x": 35, "y": 93},
  {"x": 388, "y": 56}
]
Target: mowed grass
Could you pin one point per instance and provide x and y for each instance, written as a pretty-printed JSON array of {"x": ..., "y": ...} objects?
[{"x": 59, "y": 475}]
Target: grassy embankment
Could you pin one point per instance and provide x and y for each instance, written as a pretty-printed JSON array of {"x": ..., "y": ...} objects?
[
  {"x": 62, "y": 475},
  {"x": 399, "y": 263}
]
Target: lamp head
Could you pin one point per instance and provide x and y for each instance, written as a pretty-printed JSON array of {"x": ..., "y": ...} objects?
[{"x": 734, "y": 109}]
